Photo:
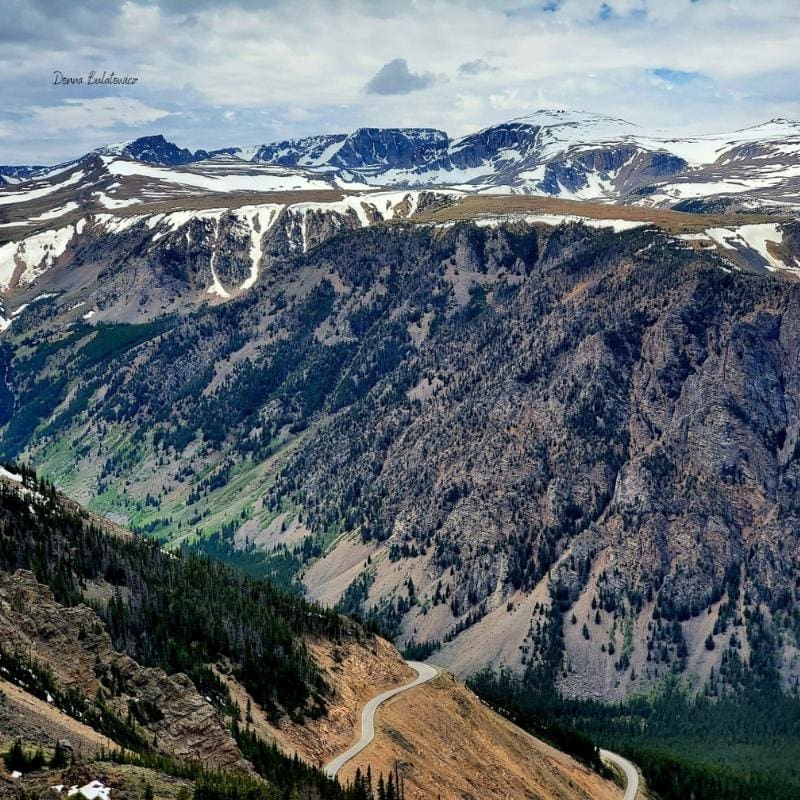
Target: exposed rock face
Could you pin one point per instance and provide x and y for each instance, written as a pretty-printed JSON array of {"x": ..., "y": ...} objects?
[
  {"x": 491, "y": 417},
  {"x": 623, "y": 169},
  {"x": 74, "y": 644},
  {"x": 291, "y": 152},
  {"x": 157, "y": 150},
  {"x": 14, "y": 174},
  {"x": 395, "y": 148}
]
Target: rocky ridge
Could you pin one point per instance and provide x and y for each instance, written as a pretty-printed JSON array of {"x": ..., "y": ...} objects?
[
  {"x": 74, "y": 645},
  {"x": 571, "y": 155}
]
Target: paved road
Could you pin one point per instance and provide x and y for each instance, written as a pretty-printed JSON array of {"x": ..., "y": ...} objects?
[
  {"x": 425, "y": 673},
  {"x": 631, "y": 775}
]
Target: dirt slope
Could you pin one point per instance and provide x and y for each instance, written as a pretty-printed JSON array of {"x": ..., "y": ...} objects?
[
  {"x": 24, "y": 716},
  {"x": 450, "y": 746}
]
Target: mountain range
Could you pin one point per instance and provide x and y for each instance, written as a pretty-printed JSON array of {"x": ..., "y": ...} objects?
[
  {"x": 556, "y": 153},
  {"x": 302, "y": 191},
  {"x": 417, "y": 377}
]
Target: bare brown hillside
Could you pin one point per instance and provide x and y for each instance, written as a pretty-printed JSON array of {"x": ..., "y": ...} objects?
[{"x": 449, "y": 745}]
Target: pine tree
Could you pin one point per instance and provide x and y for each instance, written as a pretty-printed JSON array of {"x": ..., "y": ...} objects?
[{"x": 61, "y": 757}]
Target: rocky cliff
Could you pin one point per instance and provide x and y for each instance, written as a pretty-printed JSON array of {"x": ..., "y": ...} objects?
[
  {"x": 74, "y": 645},
  {"x": 471, "y": 432}
]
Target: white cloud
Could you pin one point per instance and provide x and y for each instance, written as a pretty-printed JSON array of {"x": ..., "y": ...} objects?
[
  {"x": 103, "y": 113},
  {"x": 303, "y": 64}
]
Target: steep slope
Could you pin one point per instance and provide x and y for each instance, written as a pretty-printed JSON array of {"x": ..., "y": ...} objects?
[
  {"x": 478, "y": 434},
  {"x": 167, "y": 256},
  {"x": 474, "y": 752},
  {"x": 66, "y": 653},
  {"x": 159, "y": 608},
  {"x": 67, "y": 666},
  {"x": 74, "y": 645}
]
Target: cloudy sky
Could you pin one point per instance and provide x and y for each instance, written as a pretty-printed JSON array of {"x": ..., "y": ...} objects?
[{"x": 235, "y": 72}]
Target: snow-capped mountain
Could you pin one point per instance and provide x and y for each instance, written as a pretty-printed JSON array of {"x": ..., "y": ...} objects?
[
  {"x": 215, "y": 221},
  {"x": 154, "y": 150},
  {"x": 571, "y": 155}
]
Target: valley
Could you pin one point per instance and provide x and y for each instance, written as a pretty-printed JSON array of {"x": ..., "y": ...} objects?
[
  {"x": 524, "y": 400},
  {"x": 205, "y": 429},
  {"x": 65, "y": 678}
]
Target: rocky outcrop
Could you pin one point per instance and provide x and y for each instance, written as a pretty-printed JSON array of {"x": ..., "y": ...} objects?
[{"x": 74, "y": 645}]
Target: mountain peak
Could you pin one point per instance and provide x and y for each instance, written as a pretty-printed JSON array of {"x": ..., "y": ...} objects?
[
  {"x": 154, "y": 149},
  {"x": 545, "y": 117}
]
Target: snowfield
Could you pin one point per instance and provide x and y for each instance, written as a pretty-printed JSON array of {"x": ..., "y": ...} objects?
[
  {"x": 56, "y": 212},
  {"x": 43, "y": 191},
  {"x": 275, "y": 180},
  {"x": 753, "y": 237}
]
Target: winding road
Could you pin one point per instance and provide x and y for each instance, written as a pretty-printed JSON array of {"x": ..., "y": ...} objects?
[
  {"x": 425, "y": 673},
  {"x": 631, "y": 775}
]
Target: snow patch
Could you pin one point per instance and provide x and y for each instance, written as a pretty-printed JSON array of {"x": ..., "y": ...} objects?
[
  {"x": 56, "y": 212},
  {"x": 754, "y": 237},
  {"x": 694, "y": 237},
  {"x": 91, "y": 791},
  {"x": 34, "y": 254},
  {"x": 12, "y": 476},
  {"x": 617, "y": 225},
  {"x": 259, "y": 220},
  {"x": 111, "y": 202},
  {"x": 43, "y": 191},
  {"x": 274, "y": 180}
]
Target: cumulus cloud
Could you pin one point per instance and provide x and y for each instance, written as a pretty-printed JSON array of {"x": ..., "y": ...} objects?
[
  {"x": 395, "y": 77},
  {"x": 475, "y": 67},
  {"x": 284, "y": 69}
]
